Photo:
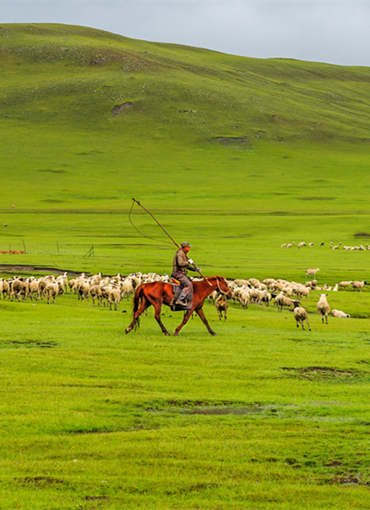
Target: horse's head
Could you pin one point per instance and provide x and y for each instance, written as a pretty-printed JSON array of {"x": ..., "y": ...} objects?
[{"x": 222, "y": 286}]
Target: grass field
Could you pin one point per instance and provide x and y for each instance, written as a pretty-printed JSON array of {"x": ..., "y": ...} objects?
[{"x": 237, "y": 156}]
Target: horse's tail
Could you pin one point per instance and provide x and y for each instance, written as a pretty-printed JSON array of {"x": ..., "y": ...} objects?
[{"x": 138, "y": 297}]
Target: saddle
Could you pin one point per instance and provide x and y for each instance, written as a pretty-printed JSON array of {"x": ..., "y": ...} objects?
[{"x": 176, "y": 287}]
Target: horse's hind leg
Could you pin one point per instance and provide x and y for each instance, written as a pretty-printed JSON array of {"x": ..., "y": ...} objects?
[
  {"x": 143, "y": 306},
  {"x": 157, "y": 315}
]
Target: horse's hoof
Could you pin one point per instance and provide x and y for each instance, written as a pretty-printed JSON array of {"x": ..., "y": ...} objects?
[
  {"x": 127, "y": 330},
  {"x": 213, "y": 333},
  {"x": 175, "y": 333}
]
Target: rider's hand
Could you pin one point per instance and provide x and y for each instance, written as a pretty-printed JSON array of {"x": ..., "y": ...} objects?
[{"x": 191, "y": 261}]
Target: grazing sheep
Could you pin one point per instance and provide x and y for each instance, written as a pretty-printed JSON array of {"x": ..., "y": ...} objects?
[
  {"x": 33, "y": 288},
  {"x": 114, "y": 297},
  {"x": 83, "y": 290},
  {"x": 300, "y": 315},
  {"x": 221, "y": 306},
  {"x": 255, "y": 296},
  {"x": 311, "y": 244},
  {"x": 312, "y": 272},
  {"x": 19, "y": 287},
  {"x": 266, "y": 297},
  {"x": 301, "y": 244},
  {"x": 358, "y": 285},
  {"x": 312, "y": 284},
  {"x": 281, "y": 300},
  {"x": 339, "y": 313},
  {"x": 344, "y": 284},
  {"x": 5, "y": 288},
  {"x": 96, "y": 293},
  {"x": 51, "y": 290},
  {"x": 323, "y": 308},
  {"x": 62, "y": 281},
  {"x": 244, "y": 297},
  {"x": 127, "y": 287}
]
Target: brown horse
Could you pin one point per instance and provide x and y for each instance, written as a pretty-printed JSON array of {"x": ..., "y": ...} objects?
[{"x": 160, "y": 293}]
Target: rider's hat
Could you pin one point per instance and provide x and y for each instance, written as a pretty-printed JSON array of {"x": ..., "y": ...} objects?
[{"x": 184, "y": 244}]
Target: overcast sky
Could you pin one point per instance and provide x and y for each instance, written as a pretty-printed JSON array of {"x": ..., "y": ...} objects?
[{"x": 336, "y": 31}]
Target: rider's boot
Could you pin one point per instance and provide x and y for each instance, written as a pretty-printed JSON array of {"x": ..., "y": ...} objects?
[{"x": 183, "y": 301}]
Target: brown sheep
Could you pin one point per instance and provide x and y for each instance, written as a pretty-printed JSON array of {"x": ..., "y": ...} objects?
[
  {"x": 221, "y": 306},
  {"x": 300, "y": 315}
]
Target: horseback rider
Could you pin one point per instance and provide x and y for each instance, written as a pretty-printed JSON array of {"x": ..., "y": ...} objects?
[{"x": 181, "y": 263}]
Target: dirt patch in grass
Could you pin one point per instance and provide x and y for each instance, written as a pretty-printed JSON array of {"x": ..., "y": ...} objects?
[
  {"x": 192, "y": 488},
  {"x": 362, "y": 234},
  {"x": 53, "y": 171},
  {"x": 20, "y": 268},
  {"x": 119, "y": 108},
  {"x": 31, "y": 343},
  {"x": 203, "y": 407},
  {"x": 349, "y": 479},
  {"x": 89, "y": 153},
  {"x": 96, "y": 498},
  {"x": 53, "y": 201},
  {"x": 92, "y": 430},
  {"x": 314, "y": 373},
  {"x": 41, "y": 481},
  {"x": 316, "y": 198},
  {"x": 231, "y": 139}
]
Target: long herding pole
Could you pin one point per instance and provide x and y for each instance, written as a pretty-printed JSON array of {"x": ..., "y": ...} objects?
[
  {"x": 155, "y": 219},
  {"x": 165, "y": 231}
]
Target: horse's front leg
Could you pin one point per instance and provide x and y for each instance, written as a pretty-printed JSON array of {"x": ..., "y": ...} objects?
[
  {"x": 187, "y": 316},
  {"x": 204, "y": 320}
]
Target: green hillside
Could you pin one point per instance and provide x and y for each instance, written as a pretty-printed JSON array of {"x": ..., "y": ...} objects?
[{"x": 283, "y": 132}]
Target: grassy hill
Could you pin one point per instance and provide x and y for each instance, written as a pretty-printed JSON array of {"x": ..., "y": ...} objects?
[{"x": 273, "y": 126}]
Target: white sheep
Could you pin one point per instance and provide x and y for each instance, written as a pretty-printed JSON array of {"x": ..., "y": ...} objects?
[
  {"x": 323, "y": 308},
  {"x": 345, "y": 284},
  {"x": 312, "y": 272},
  {"x": 51, "y": 290},
  {"x": 340, "y": 314},
  {"x": 358, "y": 285}
]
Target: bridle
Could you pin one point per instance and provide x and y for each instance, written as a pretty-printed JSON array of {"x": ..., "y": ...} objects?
[{"x": 219, "y": 288}]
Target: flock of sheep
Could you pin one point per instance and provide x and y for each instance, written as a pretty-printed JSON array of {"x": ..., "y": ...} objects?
[
  {"x": 109, "y": 291},
  {"x": 333, "y": 246},
  {"x": 285, "y": 295},
  {"x": 105, "y": 290}
]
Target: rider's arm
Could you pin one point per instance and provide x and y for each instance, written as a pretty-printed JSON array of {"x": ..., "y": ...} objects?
[{"x": 184, "y": 262}]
